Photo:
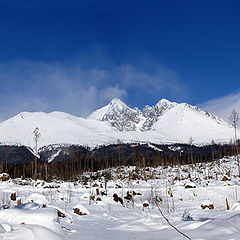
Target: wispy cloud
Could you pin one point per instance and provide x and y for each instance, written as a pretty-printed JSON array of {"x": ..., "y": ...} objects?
[
  {"x": 39, "y": 86},
  {"x": 223, "y": 106},
  {"x": 160, "y": 79}
]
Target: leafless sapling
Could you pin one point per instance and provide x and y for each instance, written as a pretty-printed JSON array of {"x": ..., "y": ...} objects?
[
  {"x": 36, "y": 136},
  {"x": 234, "y": 121}
]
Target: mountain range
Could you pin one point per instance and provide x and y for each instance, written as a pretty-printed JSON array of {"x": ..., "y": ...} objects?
[{"x": 166, "y": 122}]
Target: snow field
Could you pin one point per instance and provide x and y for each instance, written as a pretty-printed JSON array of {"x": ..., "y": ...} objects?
[{"x": 47, "y": 209}]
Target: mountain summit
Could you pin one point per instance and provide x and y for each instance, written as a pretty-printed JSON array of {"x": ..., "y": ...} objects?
[
  {"x": 124, "y": 118},
  {"x": 165, "y": 122},
  {"x": 119, "y": 115}
]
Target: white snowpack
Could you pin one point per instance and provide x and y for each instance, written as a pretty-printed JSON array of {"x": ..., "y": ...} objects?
[{"x": 107, "y": 219}]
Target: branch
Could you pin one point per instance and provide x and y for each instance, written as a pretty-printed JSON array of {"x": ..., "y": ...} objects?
[{"x": 157, "y": 203}]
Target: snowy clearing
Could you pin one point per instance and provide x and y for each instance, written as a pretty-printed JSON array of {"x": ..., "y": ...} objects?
[{"x": 86, "y": 209}]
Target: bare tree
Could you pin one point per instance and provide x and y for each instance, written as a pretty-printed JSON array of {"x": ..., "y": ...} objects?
[
  {"x": 234, "y": 121},
  {"x": 36, "y": 136}
]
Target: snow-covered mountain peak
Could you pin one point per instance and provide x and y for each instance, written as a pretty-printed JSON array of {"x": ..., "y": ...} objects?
[
  {"x": 153, "y": 113},
  {"x": 165, "y": 104},
  {"x": 124, "y": 118},
  {"x": 119, "y": 115},
  {"x": 164, "y": 101},
  {"x": 165, "y": 122},
  {"x": 24, "y": 115},
  {"x": 200, "y": 112},
  {"x": 118, "y": 105},
  {"x": 117, "y": 102},
  {"x": 38, "y": 115}
]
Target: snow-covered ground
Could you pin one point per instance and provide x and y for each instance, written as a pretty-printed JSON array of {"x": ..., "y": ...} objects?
[{"x": 46, "y": 210}]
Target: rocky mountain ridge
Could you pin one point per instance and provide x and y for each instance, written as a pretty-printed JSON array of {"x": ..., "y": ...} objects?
[{"x": 124, "y": 118}]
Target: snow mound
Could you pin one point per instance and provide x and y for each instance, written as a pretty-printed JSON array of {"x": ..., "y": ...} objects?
[
  {"x": 31, "y": 232},
  {"x": 28, "y": 223},
  {"x": 38, "y": 198}
]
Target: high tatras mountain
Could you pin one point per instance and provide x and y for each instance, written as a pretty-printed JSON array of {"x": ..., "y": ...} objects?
[
  {"x": 166, "y": 122},
  {"x": 119, "y": 115},
  {"x": 123, "y": 118}
]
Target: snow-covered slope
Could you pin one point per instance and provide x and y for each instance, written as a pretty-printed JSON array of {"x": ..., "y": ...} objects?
[
  {"x": 55, "y": 128},
  {"x": 163, "y": 123}
]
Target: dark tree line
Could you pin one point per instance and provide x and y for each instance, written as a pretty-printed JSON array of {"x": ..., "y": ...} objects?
[{"x": 72, "y": 161}]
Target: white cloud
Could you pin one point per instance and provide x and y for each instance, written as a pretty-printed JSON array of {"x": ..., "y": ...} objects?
[
  {"x": 40, "y": 86},
  {"x": 223, "y": 106},
  {"x": 160, "y": 79},
  {"x": 37, "y": 86}
]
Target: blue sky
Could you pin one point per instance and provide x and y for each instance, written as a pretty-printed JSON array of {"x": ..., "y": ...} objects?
[{"x": 75, "y": 56}]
